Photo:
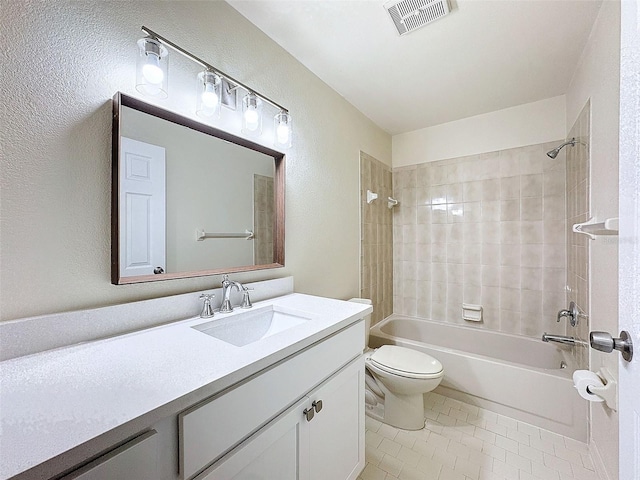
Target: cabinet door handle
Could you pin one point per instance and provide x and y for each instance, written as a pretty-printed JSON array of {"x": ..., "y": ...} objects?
[
  {"x": 317, "y": 404},
  {"x": 309, "y": 413}
]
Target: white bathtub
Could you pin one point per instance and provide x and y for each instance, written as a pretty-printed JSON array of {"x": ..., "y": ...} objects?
[{"x": 516, "y": 376}]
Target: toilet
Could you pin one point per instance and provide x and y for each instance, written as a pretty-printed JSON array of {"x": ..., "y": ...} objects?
[{"x": 396, "y": 380}]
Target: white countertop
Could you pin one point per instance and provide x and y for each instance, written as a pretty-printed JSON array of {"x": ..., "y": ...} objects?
[{"x": 54, "y": 401}]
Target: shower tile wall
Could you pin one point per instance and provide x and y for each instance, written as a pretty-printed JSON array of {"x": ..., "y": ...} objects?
[
  {"x": 263, "y": 218},
  {"x": 577, "y": 179},
  {"x": 484, "y": 229},
  {"x": 376, "y": 249}
]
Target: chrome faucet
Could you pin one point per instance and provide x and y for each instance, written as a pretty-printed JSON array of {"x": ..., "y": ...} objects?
[
  {"x": 573, "y": 313},
  {"x": 227, "y": 286}
]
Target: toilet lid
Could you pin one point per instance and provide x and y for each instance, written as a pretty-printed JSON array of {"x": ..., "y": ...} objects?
[{"x": 405, "y": 361}]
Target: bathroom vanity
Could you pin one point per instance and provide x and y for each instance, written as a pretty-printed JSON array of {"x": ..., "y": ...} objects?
[{"x": 275, "y": 391}]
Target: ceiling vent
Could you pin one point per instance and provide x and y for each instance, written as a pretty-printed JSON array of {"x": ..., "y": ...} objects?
[{"x": 408, "y": 15}]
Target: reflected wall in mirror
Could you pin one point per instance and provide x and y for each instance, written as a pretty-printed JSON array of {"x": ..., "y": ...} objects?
[{"x": 190, "y": 200}]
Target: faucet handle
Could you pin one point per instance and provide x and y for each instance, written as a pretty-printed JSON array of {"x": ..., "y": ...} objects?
[
  {"x": 573, "y": 313},
  {"x": 207, "y": 309},
  {"x": 246, "y": 301}
]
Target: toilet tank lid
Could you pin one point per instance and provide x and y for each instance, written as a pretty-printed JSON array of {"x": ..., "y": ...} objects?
[
  {"x": 406, "y": 360},
  {"x": 366, "y": 301}
]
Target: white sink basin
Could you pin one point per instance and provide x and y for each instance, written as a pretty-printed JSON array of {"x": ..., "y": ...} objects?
[{"x": 254, "y": 325}]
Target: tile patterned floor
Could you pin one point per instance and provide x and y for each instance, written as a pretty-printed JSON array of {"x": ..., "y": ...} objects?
[{"x": 463, "y": 442}]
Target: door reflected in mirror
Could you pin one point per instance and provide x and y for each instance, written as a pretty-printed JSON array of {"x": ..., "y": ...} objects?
[{"x": 191, "y": 200}]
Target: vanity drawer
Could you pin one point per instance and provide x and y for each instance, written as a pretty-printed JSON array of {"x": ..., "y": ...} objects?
[
  {"x": 209, "y": 430},
  {"x": 135, "y": 459}
]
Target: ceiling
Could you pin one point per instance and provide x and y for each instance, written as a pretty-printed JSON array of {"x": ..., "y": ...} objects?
[{"x": 485, "y": 55}]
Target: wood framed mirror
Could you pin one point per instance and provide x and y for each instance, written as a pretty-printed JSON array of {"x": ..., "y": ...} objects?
[{"x": 190, "y": 200}]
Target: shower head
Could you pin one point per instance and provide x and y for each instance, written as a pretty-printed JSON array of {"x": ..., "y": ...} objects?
[{"x": 554, "y": 153}]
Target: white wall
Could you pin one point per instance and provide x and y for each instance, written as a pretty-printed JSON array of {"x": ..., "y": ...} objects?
[
  {"x": 527, "y": 124},
  {"x": 62, "y": 63},
  {"x": 597, "y": 78}
]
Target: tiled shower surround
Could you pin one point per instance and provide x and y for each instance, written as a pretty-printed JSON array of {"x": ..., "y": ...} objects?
[
  {"x": 263, "y": 214},
  {"x": 485, "y": 229},
  {"x": 578, "y": 245},
  {"x": 376, "y": 237}
]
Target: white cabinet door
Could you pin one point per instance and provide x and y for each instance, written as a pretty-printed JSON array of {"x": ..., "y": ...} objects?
[
  {"x": 336, "y": 433},
  {"x": 136, "y": 459},
  {"x": 278, "y": 451},
  {"x": 329, "y": 446}
]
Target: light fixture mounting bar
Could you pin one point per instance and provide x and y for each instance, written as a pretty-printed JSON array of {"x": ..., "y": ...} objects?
[{"x": 229, "y": 78}]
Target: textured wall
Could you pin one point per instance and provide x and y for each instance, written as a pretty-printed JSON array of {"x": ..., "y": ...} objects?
[
  {"x": 597, "y": 80},
  {"x": 629, "y": 286},
  {"x": 484, "y": 229},
  {"x": 63, "y": 61}
]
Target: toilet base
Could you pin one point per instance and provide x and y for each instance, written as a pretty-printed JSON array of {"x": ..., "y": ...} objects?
[
  {"x": 404, "y": 411},
  {"x": 401, "y": 411}
]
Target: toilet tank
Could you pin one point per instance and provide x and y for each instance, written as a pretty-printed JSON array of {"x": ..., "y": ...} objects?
[{"x": 367, "y": 319}]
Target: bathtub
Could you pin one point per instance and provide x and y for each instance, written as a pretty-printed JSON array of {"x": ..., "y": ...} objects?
[{"x": 512, "y": 375}]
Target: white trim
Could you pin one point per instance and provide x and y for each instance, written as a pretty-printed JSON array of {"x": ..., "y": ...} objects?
[{"x": 629, "y": 246}]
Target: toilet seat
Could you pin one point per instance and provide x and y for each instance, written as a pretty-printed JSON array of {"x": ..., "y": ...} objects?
[{"x": 405, "y": 362}]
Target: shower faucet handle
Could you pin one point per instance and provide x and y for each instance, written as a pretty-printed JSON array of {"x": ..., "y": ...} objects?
[{"x": 573, "y": 313}]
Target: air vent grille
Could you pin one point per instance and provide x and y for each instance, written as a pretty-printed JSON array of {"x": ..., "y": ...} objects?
[{"x": 408, "y": 15}]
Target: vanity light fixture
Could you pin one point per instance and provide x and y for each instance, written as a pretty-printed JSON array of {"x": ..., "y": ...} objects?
[
  {"x": 208, "y": 94},
  {"x": 215, "y": 88},
  {"x": 251, "y": 114},
  {"x": 282, "y": 129},
  {"x": 152, "y": 68}
]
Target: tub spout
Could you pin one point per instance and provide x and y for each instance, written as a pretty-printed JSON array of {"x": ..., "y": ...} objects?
[{"x": 546, "y": 337}]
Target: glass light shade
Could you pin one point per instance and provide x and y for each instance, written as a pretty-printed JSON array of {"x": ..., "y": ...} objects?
[
  {"x": 208, "y": 95},
  {"x": 282, "y": 130},
  {"x": 251, "y": 114},
  {"x": 152, "y": 68}
]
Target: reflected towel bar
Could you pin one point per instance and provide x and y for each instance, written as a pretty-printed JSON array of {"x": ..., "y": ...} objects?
[{"x": 201, "y": 235}]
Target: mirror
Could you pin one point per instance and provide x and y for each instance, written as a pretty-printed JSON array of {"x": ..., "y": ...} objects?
[{"x": 190, "y": 200}]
